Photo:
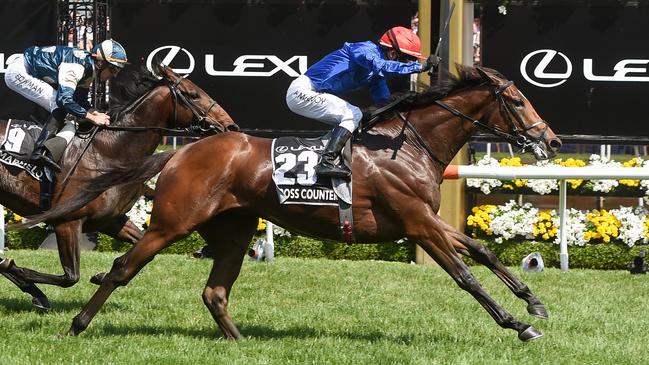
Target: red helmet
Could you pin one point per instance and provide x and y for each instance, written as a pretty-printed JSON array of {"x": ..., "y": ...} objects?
[{"x": 403, "y": 40}]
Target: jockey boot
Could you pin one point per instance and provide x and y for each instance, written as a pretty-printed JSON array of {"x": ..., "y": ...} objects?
[
  {"x": 327, "y": 164},
  {"x": 49, "y": 153}
]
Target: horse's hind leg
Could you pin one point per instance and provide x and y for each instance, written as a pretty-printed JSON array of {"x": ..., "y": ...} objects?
[
  {"x": 39, "y": 299},
  {"x": 475, "y": 250},
  {"x": 67, "y": 237},
  {"x": 228, "y": 235},
  {"x": 431, "y": 236}
]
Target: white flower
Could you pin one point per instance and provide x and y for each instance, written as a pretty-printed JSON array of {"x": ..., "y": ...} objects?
[
  {"x": 543, "y": 186},
  {"x": 502, "y": 9},
  {"x": 632, "y": 222},
  {"x": 604, "y": 186},
  {"x": 511, "y": 220},
  {"x": 575, "y": 227},
  {"x": 485, "y": 185}
]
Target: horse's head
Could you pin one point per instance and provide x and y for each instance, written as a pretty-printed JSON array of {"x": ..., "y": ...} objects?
[
  {"x": 514, "y": 118},
  {"x": 193, "y": 107}
]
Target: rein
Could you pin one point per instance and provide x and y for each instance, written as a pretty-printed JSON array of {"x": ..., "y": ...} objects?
[{"x": 519, "y": 139}]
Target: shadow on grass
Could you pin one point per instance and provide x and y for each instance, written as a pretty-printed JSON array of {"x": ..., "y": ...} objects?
[
  {"x": 24, "y": 304},
  {"x": 252, "y": 332}
]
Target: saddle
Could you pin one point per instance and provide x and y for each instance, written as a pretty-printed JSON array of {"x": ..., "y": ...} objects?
[{"x": 15, "y": 150}]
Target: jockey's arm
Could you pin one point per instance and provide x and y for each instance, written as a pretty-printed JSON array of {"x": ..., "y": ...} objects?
[
  {"x": 69, "y": 76},
  {"x": 374, "y": 62}
]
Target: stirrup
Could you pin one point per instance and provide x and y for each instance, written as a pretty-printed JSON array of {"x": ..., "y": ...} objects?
[
  {"x": 44, "y": 159},
  {"x": 332, "y": 170}
]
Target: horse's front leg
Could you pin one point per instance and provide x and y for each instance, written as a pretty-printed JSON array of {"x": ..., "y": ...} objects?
[
  {"x": 478, "y": 252},
  {"x": 428, "y": 231},
  {"x": 67, "y": 239}
]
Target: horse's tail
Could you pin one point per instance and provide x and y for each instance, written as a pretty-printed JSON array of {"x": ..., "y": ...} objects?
[{"x": 133, "y": 172}]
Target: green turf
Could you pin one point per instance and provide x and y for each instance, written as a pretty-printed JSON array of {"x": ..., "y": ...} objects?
[{"x": 299, "y": 311}]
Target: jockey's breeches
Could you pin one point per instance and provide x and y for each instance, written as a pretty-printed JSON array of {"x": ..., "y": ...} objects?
[{"x": 303, "y": 99}]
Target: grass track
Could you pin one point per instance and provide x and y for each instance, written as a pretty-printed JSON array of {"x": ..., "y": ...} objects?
[{"x": 300, "y": 311}]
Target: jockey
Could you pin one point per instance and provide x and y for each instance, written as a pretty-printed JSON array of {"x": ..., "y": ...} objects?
[
  {"x": 58, "y": 79},
  {"x": 365, "y": 64}
]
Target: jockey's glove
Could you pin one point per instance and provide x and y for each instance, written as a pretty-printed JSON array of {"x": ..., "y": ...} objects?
[{"x": 431, "y": 63}]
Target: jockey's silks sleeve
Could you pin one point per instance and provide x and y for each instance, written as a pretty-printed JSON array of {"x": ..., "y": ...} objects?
[
  {"x": 374, "y": 63},
  {"x": 69, "y": 76}
]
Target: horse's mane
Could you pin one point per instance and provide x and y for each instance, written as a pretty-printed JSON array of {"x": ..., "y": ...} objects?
[
  {"x": 442, "y": 84},
  {"x": 445, "y": 83},
  {"x": 130, "y": 84}
]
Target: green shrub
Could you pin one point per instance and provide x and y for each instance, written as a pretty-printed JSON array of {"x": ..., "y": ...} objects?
[
  {"x": 26, "y": 239},
  {"x": 595, "y": 256}
]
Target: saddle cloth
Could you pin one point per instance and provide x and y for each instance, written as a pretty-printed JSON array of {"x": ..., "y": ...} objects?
[
  {"x": 294, "y": 161},
  {"x": 18, "y": 144}
]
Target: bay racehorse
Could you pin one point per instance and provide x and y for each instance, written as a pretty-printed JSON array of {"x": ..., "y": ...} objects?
[
  {"x": 143, "y": 107},
  {"x": 221, "y": 184}
]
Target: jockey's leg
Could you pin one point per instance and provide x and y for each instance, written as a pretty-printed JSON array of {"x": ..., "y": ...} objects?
[
  {"x": 48, "y": 151},
  {"x": 327, "y": 165},
  {"x": 303, "y": 99}
]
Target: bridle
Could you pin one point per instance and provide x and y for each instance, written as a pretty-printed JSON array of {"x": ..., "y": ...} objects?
[
  {"x": 201, "y": 123},
  {"x": 518, "y": 137}
]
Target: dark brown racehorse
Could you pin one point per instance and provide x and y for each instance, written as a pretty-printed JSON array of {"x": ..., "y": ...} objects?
[
  {"x": 142, "y": 107},
  {"x": 221, "y": 184}
]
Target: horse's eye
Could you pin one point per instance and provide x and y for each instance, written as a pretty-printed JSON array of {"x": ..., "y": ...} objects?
[
  {"x": 193, "y": 95},
  {"x": 519, "y": 103}
]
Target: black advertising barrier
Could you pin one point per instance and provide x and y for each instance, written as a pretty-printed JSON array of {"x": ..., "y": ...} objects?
[
  {"x": 245, "y": 56},
  {"x": 23, "y": 23},
  {"x": 584, "y": 65}
]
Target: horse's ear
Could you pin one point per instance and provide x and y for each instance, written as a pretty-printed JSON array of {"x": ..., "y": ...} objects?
[
  {"x": 485, "y": 75},
  {"x": 163, "y": 71}
]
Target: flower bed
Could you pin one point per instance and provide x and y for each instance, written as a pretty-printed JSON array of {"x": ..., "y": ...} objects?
[
  {"x": 626, "y": 225},
  {"x": 622, "y": 187}
]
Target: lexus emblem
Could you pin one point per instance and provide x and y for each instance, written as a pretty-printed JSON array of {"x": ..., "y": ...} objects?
[
  {"x": 170, "y": 54},
  {"x": 541, "y": 78}
]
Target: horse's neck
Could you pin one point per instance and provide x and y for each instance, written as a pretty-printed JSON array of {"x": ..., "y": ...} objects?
[
  {"x": 445, "y": 133},
  {"x": 123, "y": 145}
]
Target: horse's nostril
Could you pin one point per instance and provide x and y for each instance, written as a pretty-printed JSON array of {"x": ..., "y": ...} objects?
[
  {"x": 233, "y": 128},
  {"x": 555, "y": 144}
]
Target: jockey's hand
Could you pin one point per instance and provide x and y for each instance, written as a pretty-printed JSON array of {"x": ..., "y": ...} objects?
[
  {"x": 98, "y": 118},
  {"x": 431, "y": 63}
]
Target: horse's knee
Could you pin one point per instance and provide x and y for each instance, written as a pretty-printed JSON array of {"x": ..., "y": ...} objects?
[
  {"x": 69, "y": 279},
  {"x": 119, "y": 273},
  {"x": 215, "y": 298},
  {"x": 466, "y": 280}
]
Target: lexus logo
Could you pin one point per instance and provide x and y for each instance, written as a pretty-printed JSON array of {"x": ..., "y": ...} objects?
[
  {"x": 541, "y": 77},
  {"x": 626, "y": 70},
  {"x": 170, "y": 53},
  {"x": 182, "y": 62}
]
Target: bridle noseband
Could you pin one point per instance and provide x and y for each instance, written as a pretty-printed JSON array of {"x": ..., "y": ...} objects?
[{"x": 202, "y": 122}]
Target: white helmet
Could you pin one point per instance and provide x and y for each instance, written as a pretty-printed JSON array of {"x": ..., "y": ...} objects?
[{"x": 111, "y": 52}]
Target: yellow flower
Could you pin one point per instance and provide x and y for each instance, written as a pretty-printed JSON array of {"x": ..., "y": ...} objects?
[
  {"x": 634, "y": 162},
  {"x": 601, "y": 225},
  {"x": 261, "y": 225},
  {"x": 571, "y": 162},
  {"x": 481, "y": 218},
  {"x": 544, "y": 227}
]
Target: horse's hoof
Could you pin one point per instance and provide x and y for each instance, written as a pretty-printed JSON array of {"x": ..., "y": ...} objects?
[
  {"x": 529, "y": 334},
  {"x": 98, "y": 278},
  {"x": 538, "y": 310},
  {"x": 41, "y": 303},
  {"x": 5, "y": 264}
]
